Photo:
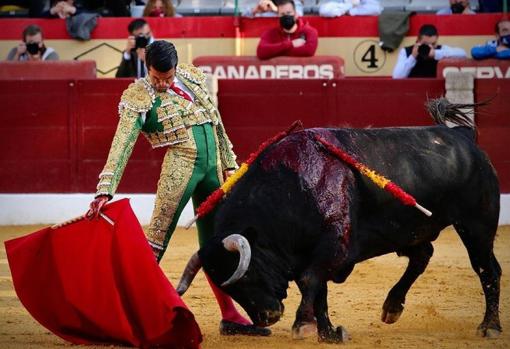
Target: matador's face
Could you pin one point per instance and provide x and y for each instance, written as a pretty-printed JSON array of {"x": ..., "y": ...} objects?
[{"x": 161, "y": 81}]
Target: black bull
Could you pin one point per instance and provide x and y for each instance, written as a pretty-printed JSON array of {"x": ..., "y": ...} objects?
[{"x": 309, "y": 217}]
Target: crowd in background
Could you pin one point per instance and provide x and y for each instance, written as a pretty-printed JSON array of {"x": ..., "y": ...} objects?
[
  {"x": 257, "y": 8},
  {"x": 294, "y": 36}
]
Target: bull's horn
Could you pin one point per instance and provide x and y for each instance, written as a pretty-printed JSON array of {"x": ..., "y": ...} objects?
[
  {"x": 189, "y": 273},
  {"x": 236, "y": 242}
]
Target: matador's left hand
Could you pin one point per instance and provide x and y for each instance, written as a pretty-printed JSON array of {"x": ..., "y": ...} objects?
[{"x": 228, "y": 173}]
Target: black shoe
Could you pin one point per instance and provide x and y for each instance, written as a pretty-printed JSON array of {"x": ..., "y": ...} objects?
[{"x": 228, "y": 328}]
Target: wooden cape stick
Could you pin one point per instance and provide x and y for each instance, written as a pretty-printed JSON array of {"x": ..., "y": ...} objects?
[{"x": 80, "y": 218}]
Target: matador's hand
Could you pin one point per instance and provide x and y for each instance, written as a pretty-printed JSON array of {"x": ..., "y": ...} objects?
[
  {"x": 95, "y": 206},
  {"x": 228, "y": 173}
]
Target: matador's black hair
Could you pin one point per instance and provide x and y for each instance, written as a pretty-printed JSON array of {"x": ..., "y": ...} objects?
[{"x": 161, "y": 55}]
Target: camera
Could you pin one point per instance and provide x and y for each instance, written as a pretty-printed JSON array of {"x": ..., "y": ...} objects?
[
  {"x": 423, "y": 51},
  {"x": 33, "y": 48},
  {"x": 141, "y": 42}
]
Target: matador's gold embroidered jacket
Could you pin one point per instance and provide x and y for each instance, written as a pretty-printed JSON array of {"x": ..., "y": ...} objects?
[{"x": 162, "y": 118}]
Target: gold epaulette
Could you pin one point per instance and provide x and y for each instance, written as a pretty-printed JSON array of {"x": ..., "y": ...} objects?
[
  {"x": 138, "y": 97},
  {"x": 191, "y": 73}
]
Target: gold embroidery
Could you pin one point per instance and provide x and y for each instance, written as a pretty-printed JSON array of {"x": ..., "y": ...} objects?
[
  {"x": 176, "y": 114},
  {"x": 191, "y": 73},
  {"x": 120, "y": 151},
  {"x": 160, "y": 139},
  {"x": 228, "y": 157},
  {"x": 176, "y": 172},
  {"x": 137, "y": 97}
]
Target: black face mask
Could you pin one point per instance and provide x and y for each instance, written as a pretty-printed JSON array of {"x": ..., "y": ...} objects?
[
  {"x": 287, "y": 22},
  {"x": 457, "y": 8},
  {"x": 505, "y": 40},
  {"x": 33, "y": 48}
]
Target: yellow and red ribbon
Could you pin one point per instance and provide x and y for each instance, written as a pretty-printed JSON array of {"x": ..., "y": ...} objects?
[{"x": 379, "y": 180}]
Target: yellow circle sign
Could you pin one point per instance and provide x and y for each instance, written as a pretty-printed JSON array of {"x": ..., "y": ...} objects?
[{"x": 369, "y": 57}]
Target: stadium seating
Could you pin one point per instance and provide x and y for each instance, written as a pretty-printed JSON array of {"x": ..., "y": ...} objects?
[
  {"x": 200, "y": 7},
  {"x": 432, "y": 5},
  {"x": 395, "y": 5},
  {"x": 311, "y": 7}
]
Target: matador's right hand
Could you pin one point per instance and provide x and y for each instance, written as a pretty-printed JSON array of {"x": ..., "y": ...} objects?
[{"x": 96, "y": 205}]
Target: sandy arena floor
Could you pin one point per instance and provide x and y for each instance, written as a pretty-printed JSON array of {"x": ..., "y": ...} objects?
[{"x": 443, "y": 308}]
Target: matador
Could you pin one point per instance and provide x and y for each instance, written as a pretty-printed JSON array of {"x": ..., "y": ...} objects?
[{"x": 172, "y": 108}]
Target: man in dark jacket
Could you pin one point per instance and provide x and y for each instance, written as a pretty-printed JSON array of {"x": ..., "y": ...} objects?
[
  {"x": 420, "y": 60},
  {"x": 133, "y": 57},
  {"x": 293, "y": 37}
]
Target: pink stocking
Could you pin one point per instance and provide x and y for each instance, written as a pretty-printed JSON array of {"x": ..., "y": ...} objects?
[{"x": 227, "y": 307}]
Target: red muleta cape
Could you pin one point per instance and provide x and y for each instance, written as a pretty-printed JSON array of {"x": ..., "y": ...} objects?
[{"x": 90, "y": 282}]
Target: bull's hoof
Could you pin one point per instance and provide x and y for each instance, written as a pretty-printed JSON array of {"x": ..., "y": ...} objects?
[
  {"x": 339, "y": 335},
  {"x": 304, "y": 330},
  {"x": 390, "y": 318},
  {"x": 491, "y": 332},
  {"x": 391, "y": 311}
]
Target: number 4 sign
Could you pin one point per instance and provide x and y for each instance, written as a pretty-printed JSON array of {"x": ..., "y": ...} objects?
[{"x": 369, "y": 57}]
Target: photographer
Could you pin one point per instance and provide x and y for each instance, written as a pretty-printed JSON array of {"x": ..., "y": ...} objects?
[
  {"x": 420, "y": 60},
  {"x": 32, "y": 47},
  {"x": 133, "y": 57}
]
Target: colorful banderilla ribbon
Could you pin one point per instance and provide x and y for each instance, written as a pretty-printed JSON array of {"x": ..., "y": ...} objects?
[
  {"x": 381, "y": 181},
  {"x": 212, "y": 200}
]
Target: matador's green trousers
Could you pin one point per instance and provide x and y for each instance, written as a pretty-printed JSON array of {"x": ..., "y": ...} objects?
[{"x": 189, "y": 169}]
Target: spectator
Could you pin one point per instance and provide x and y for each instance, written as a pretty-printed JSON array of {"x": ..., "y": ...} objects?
[
  {"x": 499, "y": 48},
  {"x": 32, "y": 47},
  {"x": 336, "y": 8},
  {"x": 133, "y": 57},
  {"x": 420, "y": 60},
  {"x": 66, "y": 8},
  {"x": 63, "y": 9},
  {"x": 268, "y": 8},
  {"x": 293, "y": 37},
  {"x": 159, "y": 8},
  {"x": 460, "y": 7}
]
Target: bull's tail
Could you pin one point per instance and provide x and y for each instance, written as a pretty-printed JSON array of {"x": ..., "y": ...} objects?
[{"x": 441, "y": 110}]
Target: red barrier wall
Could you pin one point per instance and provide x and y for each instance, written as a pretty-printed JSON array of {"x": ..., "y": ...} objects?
[
  {"x": 44, "y": 70},
  {"x": 56, "y": 134},
  {"x": 493, "y": 123}
]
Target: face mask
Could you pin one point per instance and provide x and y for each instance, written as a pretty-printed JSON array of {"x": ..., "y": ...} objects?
[
  {"x": 457, "y": 8},
  {"x": 505, "y": 40},
  {"x": 287, "y": 22},
  {"x": 157, "y": 13},
  {"x": 33, "y": 48}
]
